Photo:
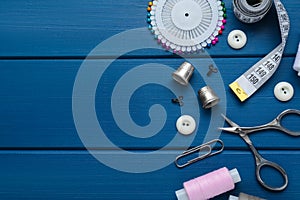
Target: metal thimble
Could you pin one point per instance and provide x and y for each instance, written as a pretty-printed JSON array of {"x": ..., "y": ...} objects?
[
  {"x": 184, "y": 73},
  {"x": 208, "y": 97}
]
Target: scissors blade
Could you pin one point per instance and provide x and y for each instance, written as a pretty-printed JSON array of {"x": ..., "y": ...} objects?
[
  {"x": 229, "y": 129},
  {"x": 230, "y": 122}
]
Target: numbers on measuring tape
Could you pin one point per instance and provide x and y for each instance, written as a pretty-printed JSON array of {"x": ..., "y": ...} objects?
[
  {"x": 269, "y": 64},
  {"x": 280, "y": 7},
  {"x": 264, "y": 69},
  {"x": 261, "y": 71},
  {"x": 253, "y": 78},
  {"x": 284, "y": 16},
  {"x": 276, "y": 57},
  {"x": 246, "y": 19},
  {"x": 285, "y": 27}
]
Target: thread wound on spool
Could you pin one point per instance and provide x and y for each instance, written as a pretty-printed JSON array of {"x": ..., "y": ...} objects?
[
  {"x": 209, "y": 185},
  {"x": 296, "y": 65}
]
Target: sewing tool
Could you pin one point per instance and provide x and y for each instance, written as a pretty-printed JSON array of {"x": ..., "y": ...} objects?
[
  {"x": 186, "y": 26},
  {"x": 296, "y": 66},
  {"x": 247, "y": 84},
  {"x": 178, "y": 100},
  {"x": 209, "y": 185},
  {"x": 208, "y": 97},
  {"x": 203, "y": 151},
  {"x": 251, "y": 11},
  {"x": 244, "y": 196},
  {"x": 184, "y": 73},
  {"x": 211, "y": 69},
  {"x": 260, "y": 161}
]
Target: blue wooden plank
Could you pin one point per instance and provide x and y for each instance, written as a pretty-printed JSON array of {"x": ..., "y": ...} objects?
[
  {"x": 74, "y": 28},
  {"x": 76, "y": 174},
  {"x": 36, "y": 104}
]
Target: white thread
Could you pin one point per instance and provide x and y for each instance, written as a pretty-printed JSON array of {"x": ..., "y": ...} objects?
[{"x": 297, "y": 61}]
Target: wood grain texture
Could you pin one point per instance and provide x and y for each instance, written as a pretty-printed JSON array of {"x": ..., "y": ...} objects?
[
  {"x": 43, "y": 45},
  {"x": 77, "y": 175},
  {"x": 74, "y": 28},
  {"x": 36, "y": 104}
]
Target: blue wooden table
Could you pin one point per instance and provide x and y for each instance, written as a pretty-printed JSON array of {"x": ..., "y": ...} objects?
[{"x": 43, "y": 140}]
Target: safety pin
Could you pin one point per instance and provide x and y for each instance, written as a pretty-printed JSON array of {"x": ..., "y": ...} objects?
[{"x": 206, "y": 146}]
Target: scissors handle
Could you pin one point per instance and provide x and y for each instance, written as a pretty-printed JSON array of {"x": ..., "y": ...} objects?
[
  {"x": 265, "y": 163},
  {"x": 261, "y": 162},
  {"x": 281, "y": 116}
]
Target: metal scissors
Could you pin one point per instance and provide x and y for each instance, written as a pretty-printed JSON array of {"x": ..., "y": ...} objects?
[{"x": 260, "y": 161}]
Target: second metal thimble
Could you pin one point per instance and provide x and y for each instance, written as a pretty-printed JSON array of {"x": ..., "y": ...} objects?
[{"x": 208, "y": 97}]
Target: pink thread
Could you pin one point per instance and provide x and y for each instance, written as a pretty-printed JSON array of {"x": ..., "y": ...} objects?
[{"x": 209, "y": 185}]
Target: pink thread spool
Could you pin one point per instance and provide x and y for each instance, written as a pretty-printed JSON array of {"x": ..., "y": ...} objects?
[{"x": 209, "y": 185}]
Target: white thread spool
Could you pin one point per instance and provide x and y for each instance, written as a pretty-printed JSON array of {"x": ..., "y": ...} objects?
[{"x": 297, "y": 61}]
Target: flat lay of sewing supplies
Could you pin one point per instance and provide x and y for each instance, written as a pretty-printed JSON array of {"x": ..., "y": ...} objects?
[
  {"x": 276, "y": 124},
  {"x": 187, "y": 27},
  {"x": 150, "y": 100}
]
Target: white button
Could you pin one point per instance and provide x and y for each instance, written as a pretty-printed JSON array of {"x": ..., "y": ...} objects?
[
  {"x": 284, "y": 91},
  {"x": 186, "y": 125},
  {"x": 237, "y": 39}
]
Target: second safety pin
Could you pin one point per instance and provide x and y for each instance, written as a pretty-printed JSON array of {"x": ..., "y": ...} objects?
[{"x": 208, "y": 147}]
